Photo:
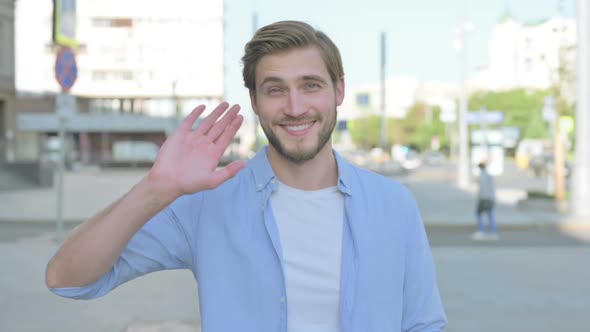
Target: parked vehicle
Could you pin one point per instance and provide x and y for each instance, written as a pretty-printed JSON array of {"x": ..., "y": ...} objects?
[
  {"x": 542, "y": 165},
  {"x": 434, "y": 158}
]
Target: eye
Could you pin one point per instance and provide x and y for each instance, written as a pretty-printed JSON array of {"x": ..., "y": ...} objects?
[
  {"x": 274, "y": 90},
  {"x": 313, "y": 86}
]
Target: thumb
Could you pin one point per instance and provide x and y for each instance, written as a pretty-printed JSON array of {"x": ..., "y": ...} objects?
[{"x": 225, "y": 173}]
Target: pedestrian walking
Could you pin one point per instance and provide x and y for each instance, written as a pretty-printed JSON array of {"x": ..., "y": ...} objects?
[
  {"x": 295, "y": 239},
  {"x": 486, "y": 199}
]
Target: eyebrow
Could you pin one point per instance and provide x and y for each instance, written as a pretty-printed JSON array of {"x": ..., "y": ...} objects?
[
  {"x": 274, "y": 79},
  {"x": 270, "y": 79},
  {"x": 314, "y": 78}
]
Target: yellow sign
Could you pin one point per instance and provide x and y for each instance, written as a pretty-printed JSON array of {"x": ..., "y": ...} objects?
[
  {"x": 566, "y": 123},
  {"x": 64, "y": 23}
]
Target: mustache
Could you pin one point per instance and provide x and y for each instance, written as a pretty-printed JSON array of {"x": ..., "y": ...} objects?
[{"x": 286, "y": 120}]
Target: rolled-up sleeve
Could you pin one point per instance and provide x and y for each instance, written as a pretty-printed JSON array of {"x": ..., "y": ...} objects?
[{"x": 161, "y": 244}]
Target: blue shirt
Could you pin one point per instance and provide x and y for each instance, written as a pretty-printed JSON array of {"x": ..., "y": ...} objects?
[{"x": 229, "y": 239}]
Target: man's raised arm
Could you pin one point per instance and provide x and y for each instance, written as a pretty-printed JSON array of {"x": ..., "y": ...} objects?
[{"x": 186, "y": 164}]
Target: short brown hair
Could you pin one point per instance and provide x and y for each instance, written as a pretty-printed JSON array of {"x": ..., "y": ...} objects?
[{"x": 285, "y": 35}]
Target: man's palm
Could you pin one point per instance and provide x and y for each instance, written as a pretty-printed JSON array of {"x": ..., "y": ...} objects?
[{"x": 187, "y": 162}]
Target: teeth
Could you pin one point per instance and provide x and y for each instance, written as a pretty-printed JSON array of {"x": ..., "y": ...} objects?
[{"x": 299, "y": 127}]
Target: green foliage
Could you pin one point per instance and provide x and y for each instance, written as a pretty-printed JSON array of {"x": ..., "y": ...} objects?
[
  {"x": 421, "y": 124},
  {"x": 536, "y": 127},
  {"x": 522, "y": 109},
  {"x": 539, "y": 194},
  {"x": 366, "y": 132},
  {"x": 417, "y": 129},
  {"x": 536, "y": 194}
]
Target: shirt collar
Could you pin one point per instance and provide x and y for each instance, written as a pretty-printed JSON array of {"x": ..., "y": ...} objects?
[
  {"x": 261, "y": 169},
  {"x": 345, "y": 174},
  {"x": 263, "y": 173}
]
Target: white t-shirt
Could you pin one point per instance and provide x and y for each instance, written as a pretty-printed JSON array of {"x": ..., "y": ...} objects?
[{"x": 310, "y": 228}]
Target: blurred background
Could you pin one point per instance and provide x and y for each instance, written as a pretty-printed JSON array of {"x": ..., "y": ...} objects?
[{"x": 89, "y": 90}]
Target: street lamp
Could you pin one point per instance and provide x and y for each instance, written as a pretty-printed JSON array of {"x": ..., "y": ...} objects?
[{"x": 463, "y": 162}]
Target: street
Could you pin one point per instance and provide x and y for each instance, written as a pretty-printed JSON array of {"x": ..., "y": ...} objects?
[
  {"x": 530, "y": 280},
  {"x": 534, "y": 278}
]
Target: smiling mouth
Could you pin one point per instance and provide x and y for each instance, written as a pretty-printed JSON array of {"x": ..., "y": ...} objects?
[{"x": 299, "y": 127}]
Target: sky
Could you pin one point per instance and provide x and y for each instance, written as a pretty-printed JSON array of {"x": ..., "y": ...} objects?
[{"x": 420, "y": 34}]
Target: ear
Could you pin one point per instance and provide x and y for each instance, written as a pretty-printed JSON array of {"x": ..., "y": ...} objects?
[
  {"x": 253, "y": 101},
  {"x": 339, "y": 88}
]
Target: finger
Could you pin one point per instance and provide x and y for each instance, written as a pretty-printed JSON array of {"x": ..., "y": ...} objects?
[
  {"x": 211, "y": 119},
  {"x": 221, "y": 125},
  {"x": 188, "y": 122},
  {"x": 230, "y": 131},
  {"x": 223, "y": 174}
]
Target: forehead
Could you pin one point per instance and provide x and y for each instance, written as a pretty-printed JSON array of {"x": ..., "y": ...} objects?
[{"x": 292, "y": 65}]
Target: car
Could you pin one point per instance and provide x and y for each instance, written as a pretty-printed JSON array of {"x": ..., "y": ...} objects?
[
  {"x": 433, "y": 158},
  {"x": 542, "y": 165}
]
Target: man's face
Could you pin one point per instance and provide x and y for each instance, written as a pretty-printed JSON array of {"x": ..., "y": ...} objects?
[{"x": 296, "y": 100}]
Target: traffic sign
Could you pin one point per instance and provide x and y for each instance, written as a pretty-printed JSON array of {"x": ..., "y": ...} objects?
[
  {"x": 66, "y": 70},
  {"x": 487, "y": 117},
  {"x": 362, "y": 99}
]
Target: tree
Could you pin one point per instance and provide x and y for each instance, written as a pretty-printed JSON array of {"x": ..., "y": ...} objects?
[
  {"x": 416, "y": 129},
  {"x": 522, "y": 109},
  {"x": 366, "y": 132},
  {"x": 421, "y": 124}
]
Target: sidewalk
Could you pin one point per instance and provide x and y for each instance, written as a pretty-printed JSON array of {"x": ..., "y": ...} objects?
[
  {"x": 88, "y": 190},
  {"x": 85, "y": 192},
  {"x": 516, "y": 276},
  {"x": 443, "y": 203}
]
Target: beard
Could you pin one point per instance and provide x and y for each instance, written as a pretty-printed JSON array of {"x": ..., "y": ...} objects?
[{"x": 299, "y": 155}]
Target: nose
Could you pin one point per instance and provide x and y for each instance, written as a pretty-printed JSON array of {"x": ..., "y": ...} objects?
[{"x": 296, "y": 104}]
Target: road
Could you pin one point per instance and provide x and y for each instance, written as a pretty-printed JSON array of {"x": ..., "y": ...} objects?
[
  {"x": 530, "y": 280},
  {"x": 535, "y": 278}
]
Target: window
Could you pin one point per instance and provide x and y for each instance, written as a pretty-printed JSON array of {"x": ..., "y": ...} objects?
[
  {"x": 121, "y": 23},
  {"x": 98, "y": 75},
  {"x": 104, "y": 22},
  {"x": 528, "y": 43},
  {"x": 103, "y": 75},
  {"x": 126, "y": 76},
  {"x": 528, "y": 64}
]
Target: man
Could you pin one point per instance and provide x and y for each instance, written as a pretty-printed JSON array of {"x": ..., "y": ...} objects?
[
  {"x": 486, "y": 197},
  {"x": 297, "y": 239}
]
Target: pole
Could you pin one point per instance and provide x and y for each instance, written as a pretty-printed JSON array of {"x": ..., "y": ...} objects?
[
  {"x": 463, "y": 162},
  {"x": 581, "y": 176},
  {"x": 61, "y": 104},
  {"x": 383, "y": 117}
]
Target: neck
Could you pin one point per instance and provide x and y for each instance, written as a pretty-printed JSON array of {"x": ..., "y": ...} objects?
[{"x": 314, "y": 174}]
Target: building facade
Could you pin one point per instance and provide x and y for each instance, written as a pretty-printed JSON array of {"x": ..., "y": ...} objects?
[
  {"x": 141, "y": 67},
  {"x": 527, "y": 55}
]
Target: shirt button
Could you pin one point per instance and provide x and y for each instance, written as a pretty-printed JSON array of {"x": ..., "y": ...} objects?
[
  {"x": 260, "y": 185},
  {"x": 282, "y": 299}
]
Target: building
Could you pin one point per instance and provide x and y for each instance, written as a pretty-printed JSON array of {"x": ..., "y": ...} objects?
[
  {"x": 141, "y": 65},
  {"x": 527, "y": 55},
  {"x": 400, "y": 94}
]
